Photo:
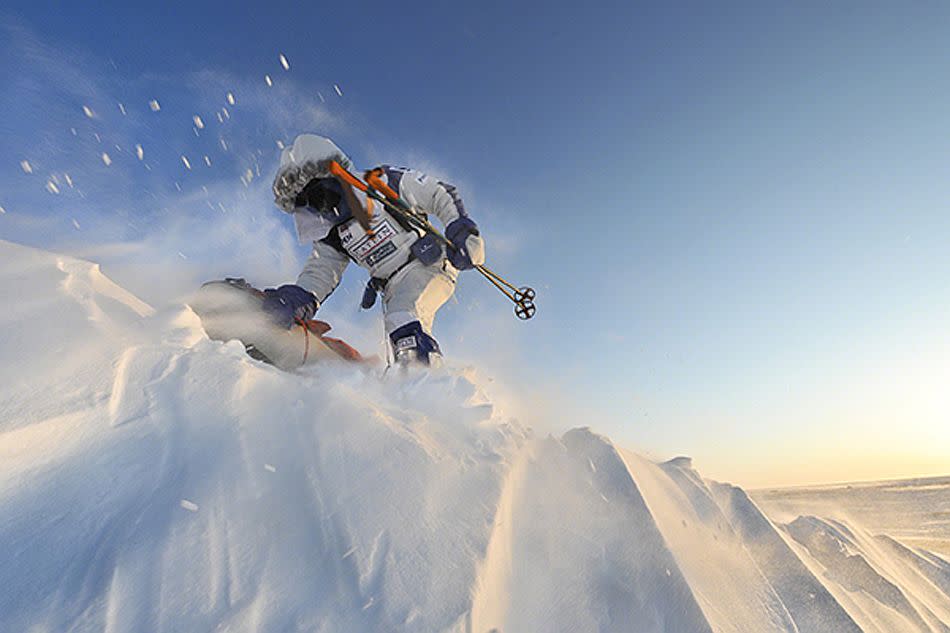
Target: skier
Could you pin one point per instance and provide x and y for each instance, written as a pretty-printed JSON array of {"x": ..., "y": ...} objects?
[{"x": 415, "y": 274}]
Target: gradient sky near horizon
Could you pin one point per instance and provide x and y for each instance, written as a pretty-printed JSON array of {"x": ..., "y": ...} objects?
[{"x": 737, "y": 215}]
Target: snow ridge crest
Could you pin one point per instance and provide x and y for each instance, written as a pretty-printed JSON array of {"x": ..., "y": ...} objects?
[{"x": 151, "y": 479}]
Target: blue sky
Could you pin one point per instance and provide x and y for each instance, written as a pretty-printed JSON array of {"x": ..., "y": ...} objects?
[{"x": 736, "y": 216}]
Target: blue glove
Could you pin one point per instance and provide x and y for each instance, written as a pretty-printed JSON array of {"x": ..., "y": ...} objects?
[
  {"x": 458, "y": 233},
  {"x": 288, "y": 303}
]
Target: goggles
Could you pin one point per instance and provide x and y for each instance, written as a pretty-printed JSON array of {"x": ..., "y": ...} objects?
[{"x": 323, "y": 196}]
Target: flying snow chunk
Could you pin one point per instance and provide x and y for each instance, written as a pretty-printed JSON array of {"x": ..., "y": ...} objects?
[
  {"x": 284, "y": 62},
  {"x": 191, "y": 506},
  {"x": 153, "y": 104},
  {"x": 338, "y": 91},
  {"x": 51, "y": 187},
  {"x": 122, "y": 109},
  {"x": 270, "y": 468},
  {"x": 280, "y": 145},
  {"x": 184, "y": 159},
  {"x": 76, "y": 224},
  {"x": 322, "y": 100},
  {"x": 26, "y": 166},
  {"x": 230, "y": 99},
  {"x": 139, "y": 151},
  {"x": 198, "y": 122},
  {"x": 88, "y": 112},
  {"x": 69, "y": 181},
  {"x": 2, "y": 210},
  {"x": 207, "y": 161},
  {"x": 268, "y": 81},
  {"x": 74, "y": 132},
  {"x": 183, "y": 256},
  {"x": 106, "y": 159}
]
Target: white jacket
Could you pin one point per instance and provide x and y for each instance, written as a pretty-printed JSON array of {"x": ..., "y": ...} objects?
[{"x": 389, "y": 248}]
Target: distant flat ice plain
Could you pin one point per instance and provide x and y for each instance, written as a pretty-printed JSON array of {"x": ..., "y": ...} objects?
[{"x": 914, "y": 511}]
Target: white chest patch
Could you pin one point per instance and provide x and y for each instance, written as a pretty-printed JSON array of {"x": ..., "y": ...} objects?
[{"x": 369, "y": 250}]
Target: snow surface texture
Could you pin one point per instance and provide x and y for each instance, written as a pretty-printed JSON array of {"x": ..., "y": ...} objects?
[{"x": 153, "y": 480}]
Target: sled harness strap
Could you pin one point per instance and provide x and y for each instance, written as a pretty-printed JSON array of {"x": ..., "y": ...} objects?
[{"x": 379, "y": 283}]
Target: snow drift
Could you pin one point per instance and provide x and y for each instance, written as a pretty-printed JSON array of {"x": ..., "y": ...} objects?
[{"x": 153, "y": 480}]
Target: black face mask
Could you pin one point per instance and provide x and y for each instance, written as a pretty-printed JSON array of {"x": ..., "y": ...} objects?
[{"x": 323, "y": 196}]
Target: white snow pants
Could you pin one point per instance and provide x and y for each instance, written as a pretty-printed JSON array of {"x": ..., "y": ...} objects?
[{"x": 416, "y": 293}]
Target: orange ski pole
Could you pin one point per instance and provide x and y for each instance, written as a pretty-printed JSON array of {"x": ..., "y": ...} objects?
[{"x": 363, "y": 216}]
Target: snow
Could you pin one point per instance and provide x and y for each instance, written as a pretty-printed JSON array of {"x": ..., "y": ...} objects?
[
  {"x": 886, "y": 584},
  {"x": 916, "y": 511},
  {"x": 152, "y": 479}
]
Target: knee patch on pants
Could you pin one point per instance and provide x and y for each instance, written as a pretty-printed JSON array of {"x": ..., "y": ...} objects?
[{"x": 412, "y": 343}]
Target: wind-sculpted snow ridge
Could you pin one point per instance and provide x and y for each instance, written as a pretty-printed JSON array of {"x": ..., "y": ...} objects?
[{"x": 153, "y": 480}]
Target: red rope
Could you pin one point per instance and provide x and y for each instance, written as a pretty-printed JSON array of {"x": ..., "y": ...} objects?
[
  {"x": 306, "y": 338},
  {"x": 318, "y": 329}
]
